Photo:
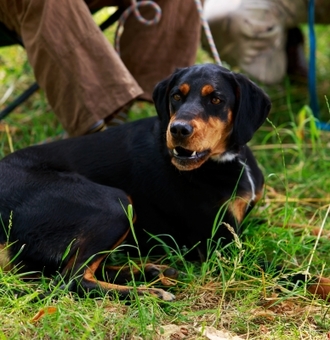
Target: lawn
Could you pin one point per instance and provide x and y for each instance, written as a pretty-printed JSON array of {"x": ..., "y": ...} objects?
[{"x": 231, "y": 294}]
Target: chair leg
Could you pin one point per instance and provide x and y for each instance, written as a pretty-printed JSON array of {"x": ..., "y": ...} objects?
[{"x": 19, "y": 100}]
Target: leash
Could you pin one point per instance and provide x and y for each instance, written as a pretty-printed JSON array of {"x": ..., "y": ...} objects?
[
  {"x": 134, "y": 8},
  {"x": 312, "y": 88},
  {"x": 208, "y": 33},
  {"x": 312, "y": 69}
]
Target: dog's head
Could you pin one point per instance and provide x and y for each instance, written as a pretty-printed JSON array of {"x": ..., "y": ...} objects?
[{"x": 207, "y": 110}]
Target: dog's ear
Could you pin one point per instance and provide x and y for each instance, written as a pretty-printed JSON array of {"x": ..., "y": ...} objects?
[
  {"x": 253, "y": 106},
  {"x": 161, "y": 95},
  {"x": 160, "y": 98}
]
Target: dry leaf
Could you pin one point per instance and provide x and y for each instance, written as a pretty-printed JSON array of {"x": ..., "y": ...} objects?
[
  {"x": 321, "y": 288},
  {"x": 12, "y": 129},
  {"x": 42, "y": 312},
  {"x": 172, "y": 332},
  {"x": 264, "y": 314},
  {"x": 263, "y": 329},
  {"x": 214, "y": 334}
]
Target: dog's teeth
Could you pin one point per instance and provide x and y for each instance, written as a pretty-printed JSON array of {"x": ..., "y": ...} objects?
[
  {"x": 175, "y": 152},
  {"x": 193, "y": 154}
]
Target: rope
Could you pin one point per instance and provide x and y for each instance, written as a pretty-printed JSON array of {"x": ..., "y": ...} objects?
[
  {"x": 134, "y": 8},
  {"x": 208, "y": 33}
]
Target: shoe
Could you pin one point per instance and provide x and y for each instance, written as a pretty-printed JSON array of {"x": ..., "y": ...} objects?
[
  {"x": 119, "y": 117},
  {"x": 98, "y": 128}
]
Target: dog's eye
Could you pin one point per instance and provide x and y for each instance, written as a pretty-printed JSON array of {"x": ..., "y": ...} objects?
[
  {"x": 215, "y": 100},
  {"x": 176, "y": 97}
]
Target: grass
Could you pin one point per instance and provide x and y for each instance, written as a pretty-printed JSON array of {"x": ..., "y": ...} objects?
[{"x": 229, "y": 293}]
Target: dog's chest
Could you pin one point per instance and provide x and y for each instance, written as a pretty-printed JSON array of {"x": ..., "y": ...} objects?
[{"x": 186, "y": 197}]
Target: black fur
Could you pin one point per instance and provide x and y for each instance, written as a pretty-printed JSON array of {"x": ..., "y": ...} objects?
[{"x": 62, "y": 194}]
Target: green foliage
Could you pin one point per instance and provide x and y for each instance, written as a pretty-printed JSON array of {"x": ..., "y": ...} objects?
[{"x": 231, "y": 290}]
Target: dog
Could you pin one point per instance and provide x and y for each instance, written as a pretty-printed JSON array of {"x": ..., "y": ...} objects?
[{"x": 177, "y": 170}]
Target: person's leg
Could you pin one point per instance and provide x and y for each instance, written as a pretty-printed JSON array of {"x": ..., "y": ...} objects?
[
  {"x": 84, "y": 79},
  {"x": 297, "y": 66},
  {"x": 152, "y": 53},
  {"x": 251, "y": 34}
]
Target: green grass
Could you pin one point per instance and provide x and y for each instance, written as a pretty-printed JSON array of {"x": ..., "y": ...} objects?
[{"x": 226, "y": 293}]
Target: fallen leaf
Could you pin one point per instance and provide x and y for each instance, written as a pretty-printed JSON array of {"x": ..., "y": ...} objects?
[
  {"x": 263, "y": 329},
  {"x": 264, "y": 314},
  {"x": 12, "y": 129},
  {"x": 321, "y": 288},
  {"x": 214, "y": 334},
  {"x": 172, "y": 332},
  {"x": 42, "y": 312}
]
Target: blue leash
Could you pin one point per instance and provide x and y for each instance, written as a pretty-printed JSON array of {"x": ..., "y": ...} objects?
[{"x": 312, "y": 69}]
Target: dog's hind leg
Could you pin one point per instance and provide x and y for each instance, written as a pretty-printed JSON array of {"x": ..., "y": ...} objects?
[
  {"x": 81, "y": 269},
  {"x": 63, "y": 222},
  {"x": 102, "y": 232},
  {"x": 88, "y": 283},
  {"x": 80, "y": 273},
  {"x": 148, "y": 271}
]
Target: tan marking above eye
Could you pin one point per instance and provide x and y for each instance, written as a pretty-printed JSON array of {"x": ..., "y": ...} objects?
[
  {"x": 184, "y": 88},
  {"x": 215, "y": 101},
  {"x": 206, "y": 90}
]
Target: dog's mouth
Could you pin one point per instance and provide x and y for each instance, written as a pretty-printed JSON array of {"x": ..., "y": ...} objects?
[
  {"x": 182, "y": 153},
  {"x": 185, "y": 159}
]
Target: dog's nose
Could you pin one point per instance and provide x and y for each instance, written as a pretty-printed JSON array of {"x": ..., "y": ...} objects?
[{"x": 181, "y": 129}]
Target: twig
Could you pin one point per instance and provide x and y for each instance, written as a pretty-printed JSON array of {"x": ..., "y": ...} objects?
[
  {"x": 279, "y": 146},
  {"x": 317, "y": 240},
  {"x": 297, "y": 200},
  {"x": 10, "y": 141}
]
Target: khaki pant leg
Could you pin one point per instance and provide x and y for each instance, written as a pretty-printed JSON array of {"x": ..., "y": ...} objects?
[
  {"x": 83, "y": 77},
  {"x": 151, "y": 53}
]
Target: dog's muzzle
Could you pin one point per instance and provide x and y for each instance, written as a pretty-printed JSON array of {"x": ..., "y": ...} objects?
[{"x": 182, "y": 156}]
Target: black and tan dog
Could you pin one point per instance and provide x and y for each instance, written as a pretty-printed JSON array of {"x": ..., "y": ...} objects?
[{"x": 178, "y": 169}]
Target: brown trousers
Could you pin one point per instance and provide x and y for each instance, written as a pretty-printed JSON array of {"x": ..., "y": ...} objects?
[{"x": 83, "y": 77}]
